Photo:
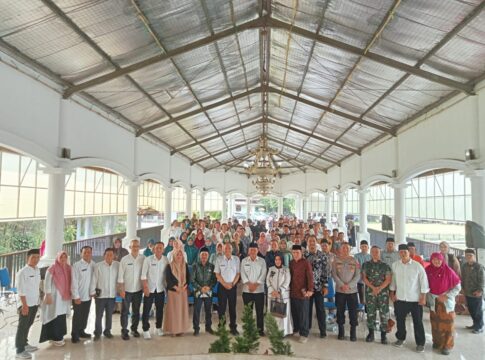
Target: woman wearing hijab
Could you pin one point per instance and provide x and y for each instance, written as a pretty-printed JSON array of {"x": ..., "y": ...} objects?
[
  {"x": 278, "y": 283},
  {"x": 192, "y": 251},
  {"x": 444, "y": 286},
  {"x": 285, "y": 253},
  {"x": 199, "y": 239},
  {"x": 238, "y": 247},
  {"x": 57, "y": 301},
  {"x": 177, "y": 320}
]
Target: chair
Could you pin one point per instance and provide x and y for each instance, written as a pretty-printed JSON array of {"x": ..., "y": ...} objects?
[
  {"x": 330, "y": 305},
  {"x": 7, "y": 293}
]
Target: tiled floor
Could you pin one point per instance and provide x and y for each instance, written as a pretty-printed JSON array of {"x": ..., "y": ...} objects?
[{"x": 468, "y": 346}]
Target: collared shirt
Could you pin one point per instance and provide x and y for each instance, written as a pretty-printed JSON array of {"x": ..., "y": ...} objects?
[
  {"x": 376, "y": 272},
  {"x": 130, "y": 272},
  {"x": 409, "y": 280},
  {"x": 28, "y": 282},
  {"x": 320, "y": 268},
  {"x": 105, "y": 278},
  {"x": 390, "y": 257},
  {"x": 81, "y": 275},
  {"x": 153, "y": 271},
  {"x": 346, "y": 270},
  {"x": 301, "y": 278},
  {"x": 472, "y": 278},
  {"x": 228, "y": 268},
  {"x": 361, "y": 259},
  {"x": 253, "y": 271}
]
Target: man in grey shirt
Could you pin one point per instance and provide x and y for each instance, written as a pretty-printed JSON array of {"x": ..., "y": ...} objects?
[
  {"x": 390, "y": 255},
  {"x": 346, "y": 273}
]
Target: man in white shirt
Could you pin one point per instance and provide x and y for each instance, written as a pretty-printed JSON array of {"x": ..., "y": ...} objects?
[
  {"x": 103, "y": 288},
  {"x": 253, "y": 277},
  {"x": 227, "y": 270},
  {"x": 153, "y": 280},
  {"x": 408, "y": 292},
  {"x": 81, "y": 275},
  {"x": 130, "y": 288},
  {"x": 28, "y": 281}
]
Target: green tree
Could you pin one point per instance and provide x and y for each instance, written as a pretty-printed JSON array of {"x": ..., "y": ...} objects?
[
  {"x": 275, "y": 336},
  {"x": 223, "y": 343},
  {"x": 249, "y": 341}
]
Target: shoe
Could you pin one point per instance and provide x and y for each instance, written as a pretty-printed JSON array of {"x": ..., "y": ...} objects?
[
  {"x": 159, "y": 332},
  {"x": 384, "y": 338},
  {"x": 302, "y": 339},
  {"x": 398, "y": 343},
  {"x": 420, "y": 349},
  {"x": 261, "y": 334},
  {"x": 323, "y": 335},
  {"x": 470, "y": 327},
  {"x": 341, "y": 332},
  {"x": 234, "y": 332},
  {"x": 196, "y": 332},
  {"x": 445, "y": 352},
  {"x": 97, "y": 337},
  {"x": 23, "y": 355},
  {"x": 135, "y": 333},
  {"x": 83, "y": 335},
  {"x": 353, "y": 334},
  {"x": 370, "y": 337},
  {"x": 125, "y": 336},
  {"x": 209, "y": 331},
  {"x": 59, "y": 343},
  {"x": 108, "y": 335},
  {"x": 31, "y": 348},
  {"x": 74, "y": 340},
  {"x": 146, "y": 335},
  {"x": 477, "y": 331}
]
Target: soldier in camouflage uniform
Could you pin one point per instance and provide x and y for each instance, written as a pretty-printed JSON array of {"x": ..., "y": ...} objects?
[{"x": 377, "y": 277}]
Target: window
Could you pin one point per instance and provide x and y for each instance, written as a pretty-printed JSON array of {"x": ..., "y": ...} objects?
[
  {"x": 196, "y": 196},
  {"x": 213, "y": 201},
  {"x": 316, "y": 203},
  {"x": 179, "y": 200}
]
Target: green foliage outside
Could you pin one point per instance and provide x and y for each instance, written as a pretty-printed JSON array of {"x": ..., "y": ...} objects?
[
  {"x": 271, "y": 205},
  {"x": 276, "y": 336},
  {"x": 249, "y": 341}
]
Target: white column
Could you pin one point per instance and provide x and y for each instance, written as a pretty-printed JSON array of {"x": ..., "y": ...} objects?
[
  {"x": 477, "y": 181},
  {"x": 88, "y": 227},
  {"x": 399, "y": 213},
  {"x": 280, "y": 205},
  {"x": 363, "y": 234},
  {"x": 167, "y": 218},
  {"x": 79, "y": 228},
  {"x": 248, "y": 207},
  {"x": 329, "y": 211},
  {"x": 298, "y": 207},
  {"x": 108, "y": 225},
  {"x": 202, "y": 204},
  {"x": 55, "y": 215},
  {"x": 131, "y": 212},
  {"x": 342, "y": 212},
  {"x": 304, "y": 206},
  {"x": 224, "y": 208},
  {"x": 188, "y": 203}
]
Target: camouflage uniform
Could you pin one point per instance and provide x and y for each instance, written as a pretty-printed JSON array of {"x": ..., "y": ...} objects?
[{"x": 376, "y": 273}]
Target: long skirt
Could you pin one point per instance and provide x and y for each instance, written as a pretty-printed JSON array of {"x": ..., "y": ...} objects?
[
  {"x": 442, "y": 327},
  {"x": 54, "y": 330},
  {"x": 177, "y": 319}
]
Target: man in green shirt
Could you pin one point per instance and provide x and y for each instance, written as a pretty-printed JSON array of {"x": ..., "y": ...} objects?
[{"x": 377, "y": 277}]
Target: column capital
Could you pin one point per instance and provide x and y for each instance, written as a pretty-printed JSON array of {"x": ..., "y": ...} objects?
[
  {"x": 475, "y": 173},
  {"x": 132, "y": 182},
  {"x": 397, "y": 185},
  {"x": 365, "y": 190},
  {"x": 49, "y": 170}
]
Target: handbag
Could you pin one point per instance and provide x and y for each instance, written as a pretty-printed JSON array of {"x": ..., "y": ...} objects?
[{"x": 278, "y": 308}]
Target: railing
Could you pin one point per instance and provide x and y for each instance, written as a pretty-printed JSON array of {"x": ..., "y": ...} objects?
[
  {"x": 424, "y": 248},
  {"x": 16, "y": 260}
]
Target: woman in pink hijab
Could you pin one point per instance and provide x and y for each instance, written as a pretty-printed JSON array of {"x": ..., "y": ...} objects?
[
  {"x": 57, "y": 302},
  {"x": 444, "y": 286}
]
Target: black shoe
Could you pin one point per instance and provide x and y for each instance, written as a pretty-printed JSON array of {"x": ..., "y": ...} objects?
[
  {"x": 74, "y": 340},
  {"x": 384, "y": 338},
  {"x": 196, "y": 332},
  {"x": 470, "y": 327},
  {"x": 261, "y": 334},
  {"x": 341, "y": 332},
  {"x": 353, "y": 333},
  {"x": 135, "y": 333},
  {"x": 97, "y": 337},
  {"x": 125, "y": 336},
  {"x": 445, "y": 351},
  {"x": 83, "y": 335},
  {"x": 323, "y": 335},
  {"x": 234, "y": 332},
  {"x": 370, "y": 337},
  {"x": 209, "y": 331},
  {"x": 477, "y": 331},
  {"x": 108, "y": 335}
]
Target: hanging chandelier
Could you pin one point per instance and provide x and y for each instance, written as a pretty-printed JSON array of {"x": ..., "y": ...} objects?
[{"x": 263, "y": 167}]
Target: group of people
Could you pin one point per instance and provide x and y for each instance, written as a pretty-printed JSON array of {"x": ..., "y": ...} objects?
[{"x": 290, "y": 269}]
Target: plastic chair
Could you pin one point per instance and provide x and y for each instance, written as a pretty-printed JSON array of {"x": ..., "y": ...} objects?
[
  {"x": 330, "y": 305},
  {"x": 7, "y": 293}
]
